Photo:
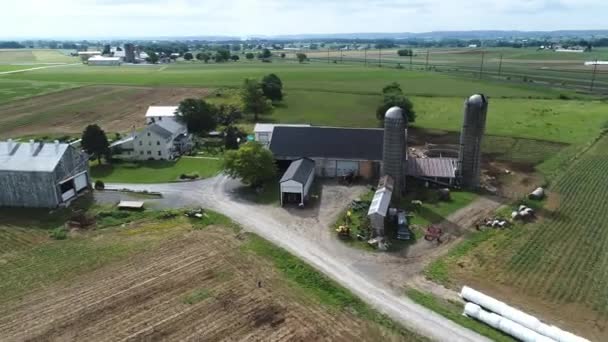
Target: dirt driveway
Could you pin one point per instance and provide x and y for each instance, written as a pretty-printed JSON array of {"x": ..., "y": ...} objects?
[{"x": 374, "y": 277}]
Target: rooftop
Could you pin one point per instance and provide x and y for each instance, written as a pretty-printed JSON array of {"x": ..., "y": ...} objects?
[
  {"x": 154, "y": 111},
  {"x": 432, "y": 167},
  {"x": 265, "y": 127},
  {"x": 299, "y": 171},
  {"x": 32, "y": 156},
  {"x": 328, "y": 142},
  {"x": 103, "y": 58}
]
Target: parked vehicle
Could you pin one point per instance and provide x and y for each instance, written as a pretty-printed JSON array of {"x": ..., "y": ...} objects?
[{"x": 403, "y": 230}]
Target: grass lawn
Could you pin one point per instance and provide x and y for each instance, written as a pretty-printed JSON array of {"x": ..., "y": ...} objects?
[
  {"x": 154, "y": 171},
  {"x": 8, "y": 56}
]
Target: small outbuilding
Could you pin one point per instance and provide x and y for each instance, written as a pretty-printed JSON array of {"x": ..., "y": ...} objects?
[
  {"x": 296, "y": 181},
  {"x": 378, "y": 209},
  {"x": 107, "y": 61}
]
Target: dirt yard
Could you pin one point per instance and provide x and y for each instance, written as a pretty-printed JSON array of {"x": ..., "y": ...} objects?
[
  {"x": 114, "y": 108},
  {"x": 200, "y": 285}
]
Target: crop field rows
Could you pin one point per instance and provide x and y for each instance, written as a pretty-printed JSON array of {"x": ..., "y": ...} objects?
[
  {"x": 559, "y": 262},
  {"x": 201, "y": 284},
  {"x": 116, "y": 109}
]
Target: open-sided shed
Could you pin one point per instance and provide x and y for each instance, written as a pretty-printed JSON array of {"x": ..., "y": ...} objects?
[{"x": 296, "y": 181}]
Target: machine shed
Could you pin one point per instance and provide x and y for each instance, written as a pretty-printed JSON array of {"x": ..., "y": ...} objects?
[{"x": 296, "y": 181}]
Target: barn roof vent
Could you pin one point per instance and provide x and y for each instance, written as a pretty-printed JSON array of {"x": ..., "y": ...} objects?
[{"x": 56, "y": 143}]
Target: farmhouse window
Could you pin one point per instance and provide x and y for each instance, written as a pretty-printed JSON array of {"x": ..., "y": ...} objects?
[
  {"x": 160, "y": 154},
  {"x": 157, "y": 143},
  {"x": 141, "y": 143},
  {"x": 141, "y": 152},
  {"x": 149, "y": 143},
  {"x": 149, "y": 152},
  {"x": 148, "y": 133}
]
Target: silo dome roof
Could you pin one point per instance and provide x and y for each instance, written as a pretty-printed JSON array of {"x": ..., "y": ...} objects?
[
  {"x": 477, "y": 99},
  {"x": 394, "y": 113}
]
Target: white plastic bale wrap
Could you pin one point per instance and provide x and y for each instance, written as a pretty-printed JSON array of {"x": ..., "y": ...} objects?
[
  {"x": 518, "y": 316},
  {"x": 505, "y": 325}
]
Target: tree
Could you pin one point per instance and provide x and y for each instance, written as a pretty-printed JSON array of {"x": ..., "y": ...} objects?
[
  {"x": 266, "y": 53},
  {"x": 228, "y": 114},
  {"x": 253, "y": 99},
  {"x": 202, "y": 56},
  {"x": 188, "y": 56},
  {"x": 152, "y": 57},
  {"x": 235, "y": 58},
  {"x": 393, "y": 96},
  {"x": 272, "y": 87},
  {"x": 95, "y": 142},
  {"x": 232, "y": 137},
  {"x": 252, "y": 163},
  {"x": 301, "y": 57},
  {"x": 404, "y": 52},
  {"x": 198, "y": 115},
  {"x": 283, "y": 55},
  {"x": 222, "y": 55},
  {"x": 249, "y": 55}
]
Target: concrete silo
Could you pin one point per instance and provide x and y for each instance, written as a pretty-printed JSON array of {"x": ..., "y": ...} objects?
[
  {"x": 473, "y": 127},
  {"x": 394, "y": 150},
  {"x": 129, "y": 53}
]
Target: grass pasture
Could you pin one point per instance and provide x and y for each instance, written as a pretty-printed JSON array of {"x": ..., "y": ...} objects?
[
  {"x": 163, "y": 271},
  {"x": 558, "y": 262}
]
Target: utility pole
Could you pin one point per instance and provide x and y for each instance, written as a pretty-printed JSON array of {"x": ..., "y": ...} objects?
[
  {"x": 365, "y": 55},
  {"x": 426, "y": 67},
  {"x": 328, "y": 55},
  {"x": 379, "y": 57},
  {"x": 481, "y": 65},
  {"x": 500, "y": 65},
  {"x": 593, "y": 75}
]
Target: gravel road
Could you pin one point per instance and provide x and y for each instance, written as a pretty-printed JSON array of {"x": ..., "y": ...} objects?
[{"x": 351, "y": 268}]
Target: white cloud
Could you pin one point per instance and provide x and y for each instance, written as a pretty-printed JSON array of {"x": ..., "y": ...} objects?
[{"x": 103, "y": 18}]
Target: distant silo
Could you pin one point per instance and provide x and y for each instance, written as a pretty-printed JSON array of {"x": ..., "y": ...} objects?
[
  {"x": 129, "y": 53},
  {"x": 394, "y": 150},
  {"x": 473, "y": 127}
]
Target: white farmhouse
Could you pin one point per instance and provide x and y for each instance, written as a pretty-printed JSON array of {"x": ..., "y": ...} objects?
[{"x": 163, "y": 138}]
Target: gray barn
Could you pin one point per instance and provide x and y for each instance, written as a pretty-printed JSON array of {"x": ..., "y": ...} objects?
[{"x": 41, "y": 175}]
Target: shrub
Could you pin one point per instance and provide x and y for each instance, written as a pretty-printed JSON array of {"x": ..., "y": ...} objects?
[
  {"x": 99, "y": 185},
  {"x": 564, "y": 97},
  {"x": 399, "y": 66},
  {"x": 59, "y": 233}
]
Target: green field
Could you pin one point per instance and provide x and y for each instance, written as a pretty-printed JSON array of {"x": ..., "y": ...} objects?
[
  {"x": 155, "y": 171},
  {"x": 14, "y": 90},
  {"x": 34, "y": 56},
  {"x": 560, "y": 260}
]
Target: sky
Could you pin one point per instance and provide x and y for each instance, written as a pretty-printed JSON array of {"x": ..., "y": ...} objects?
[{"x": 244, "y": 18}]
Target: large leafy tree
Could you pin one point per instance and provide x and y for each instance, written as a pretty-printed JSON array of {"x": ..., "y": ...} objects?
[
  {"x": 202, "y": 56},
  {"x": 198, "y": 115},
  {"x": 222, "y": 55},
  {"x": 152, "y": 57},
  {"x": 249, "y": 55},
  {"x": 232, "y": 137},
  {"x": 95, "y": 142},
  {"x": 393, "y": 96},
  {"x": 188, "y": 56},
  {"x": 252, "y": 163},
  {"x": 301, "y": 57},
  {"x": 272, "y": 87},
  {"x": 253, "y": 98}
]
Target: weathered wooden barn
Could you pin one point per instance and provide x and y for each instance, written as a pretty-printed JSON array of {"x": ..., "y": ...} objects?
[{"x": 41, "y": 175}]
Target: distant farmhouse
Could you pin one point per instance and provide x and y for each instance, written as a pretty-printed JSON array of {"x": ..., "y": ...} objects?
[
  {"x": 101, "y": 60},
  {"x": 41, "y": 175},
  {"x": 163, "y": 138}
]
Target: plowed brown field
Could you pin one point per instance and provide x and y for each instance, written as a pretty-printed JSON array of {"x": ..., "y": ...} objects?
[
  {"x": 153, "y": 296},
  {"x": 114, "y": 108}
]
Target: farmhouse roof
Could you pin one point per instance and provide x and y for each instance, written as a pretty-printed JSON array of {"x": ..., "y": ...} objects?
[
  {"x": 328, "y": 142},
  {"x": 154, "y": 111},
  {"x": 299, "y": 171},
  {"x": 432, "y": 167},
  {"x": 160, "y": 130},
  {"x": 30, "y": 157}
]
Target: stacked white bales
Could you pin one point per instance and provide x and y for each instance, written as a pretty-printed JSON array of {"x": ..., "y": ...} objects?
[
  {"x": 473, "y": 128},
  {"x": 519, "y": 317},
  {"x": 394, "y": 149}
]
